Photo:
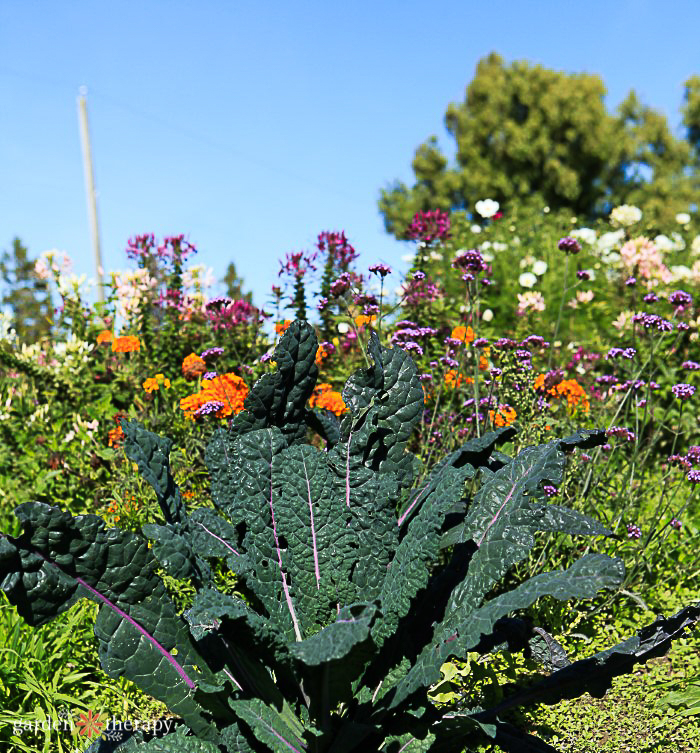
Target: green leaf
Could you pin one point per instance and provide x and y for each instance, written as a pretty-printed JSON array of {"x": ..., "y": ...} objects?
[
  {"x": 463, "y": 625},
  {"x": 152, "y": 455},
  {"x": 59, "y": 559},
  {"x": 279, "y": 398},
  {"x": 505, "y": 514},
  {"x": 176, "y": 742},
  {"x": 410, "y": 568},
  {"x": 385, "y": 403},
  {"x": 472, "y": 454},
  {"x": 352, "y": 626},
  {"x": 268, "y": 726},
  {"x": 318, "y": 534}
]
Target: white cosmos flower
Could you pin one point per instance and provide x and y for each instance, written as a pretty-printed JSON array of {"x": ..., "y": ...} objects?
[
  {"x": 527, "y": 280},
  {"x": 663, "y": 243},
  {"x": 498, "y": 246},
  {"x": 625, "y": 215},
  {"x": 682, "y": 218},
  {"x": 695, "y": 246},
  {"x": 487, "y": 316},
  {"x": 585, "y": 234},
  {"x": 539, "y": 267},
  {"x": 487, "y": 207},
  {"x": 343, "y": 327},
  {"x": 678, "y": 242},
  {"x": 476, "y": 229}
]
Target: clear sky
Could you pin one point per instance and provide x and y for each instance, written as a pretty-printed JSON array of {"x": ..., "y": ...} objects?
[{"x": 251, "y": 126}]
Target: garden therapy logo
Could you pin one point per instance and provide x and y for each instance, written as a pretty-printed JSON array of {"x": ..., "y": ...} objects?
[{"x": 89, "y": 725}]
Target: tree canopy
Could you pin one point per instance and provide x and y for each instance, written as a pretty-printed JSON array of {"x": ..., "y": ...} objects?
[
  {"x": 529, "y": 133},
  {"x": 26, "y": 294}
]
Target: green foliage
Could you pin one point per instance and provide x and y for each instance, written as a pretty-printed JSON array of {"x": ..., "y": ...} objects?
[
  {"x": 27, "y": 295},
  {"x": 529, "y": 134},
  {"x": 347, "y": 610}
]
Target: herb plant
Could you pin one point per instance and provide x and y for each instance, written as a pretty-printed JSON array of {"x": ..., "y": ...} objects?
[{"x": 356, "y": 584}]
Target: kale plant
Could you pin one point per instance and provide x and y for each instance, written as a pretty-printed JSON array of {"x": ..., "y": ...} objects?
[{"x": 357, "y": 583}]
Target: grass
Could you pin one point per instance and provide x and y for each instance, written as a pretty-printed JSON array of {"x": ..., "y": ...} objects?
[{"x": 629, "y": 718}]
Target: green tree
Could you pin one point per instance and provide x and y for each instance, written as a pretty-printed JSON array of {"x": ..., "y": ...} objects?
[
  {"x": 529, "y": 133},
  {"x": 26, "y": 294},
  {"x": 234, "y": 285}
]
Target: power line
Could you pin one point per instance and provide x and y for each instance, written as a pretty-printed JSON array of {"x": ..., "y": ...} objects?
[{"x": 189, "y": 133}]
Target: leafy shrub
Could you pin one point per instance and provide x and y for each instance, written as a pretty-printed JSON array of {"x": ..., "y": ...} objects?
[{"x": 354, "y": 588}]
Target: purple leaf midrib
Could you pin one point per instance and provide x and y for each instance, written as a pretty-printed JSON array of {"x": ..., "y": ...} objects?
[
  {"x": 285, "y": 587},
  {"x": 313, "y": 529},
  {"x": 107, "y": 602},
  {"x": 218, "y": 538}
]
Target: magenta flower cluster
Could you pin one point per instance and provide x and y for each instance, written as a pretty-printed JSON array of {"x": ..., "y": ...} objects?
[
  {"x": 338, "y": 246},
  {"x": 429, "y": 226}
]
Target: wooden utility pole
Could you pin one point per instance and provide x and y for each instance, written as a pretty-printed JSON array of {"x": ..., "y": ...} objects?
[{"x": 90, "y": 189}]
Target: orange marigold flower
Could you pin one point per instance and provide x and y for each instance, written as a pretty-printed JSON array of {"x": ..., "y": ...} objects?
[
  {"x": 126, "y": 344},
  {"x": 162, "y": 379},
  {"x": 192, "y": 403},
  {"x": 281, "y": 327},
  {"x": 465, "y": 334},
  {"x": 321, "y": 354},
  {"x": 573, "y": 392},
  {"x": 454, "y": 380},
  {"x": 362, "y": 320},
  {"x": 504, "y": 417},
  {"x": 539, "y": 382},
  {"x": 193, "y": 366},
  {"x": 151, "y": 385},
  {"x": 228, "y": 389},
  {"x": 105, "y": 337},
  {"x": 484, "y": 359},
  {"x": 326, "y": 398},
  {"x": 115, "y": 436}
]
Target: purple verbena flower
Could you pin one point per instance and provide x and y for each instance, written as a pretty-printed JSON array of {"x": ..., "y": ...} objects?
[
  {"x": 211, "y": 406},
  {"x": 651, "y": 298},
  {"x": 380, "y": 269},
  {"x": 693, "y": 454},
  {"x": 694, "y": 477},
  {"x": 550, "y": 491},
  {"x": 631, "y": 282},
  {"x": 471, "y": 260},
  {"x": 683, "y": 391},
  {"x": 680, "y": 298},
  {"x": 621, "y": 432},
  {"x": 676, "y": 524},
  {"x": 212, "y": 353},
  {"x": 690, "y": 366},
  {"x": 411, "y": 347},
  {"x": 634, "y": 532},
  {"x": 481, "y": 342},
  {"x": 569, "y": 245},
  {"x": 583, "y": 274}
]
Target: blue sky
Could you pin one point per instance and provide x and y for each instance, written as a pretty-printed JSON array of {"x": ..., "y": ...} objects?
[{"x": 251, "y": 127}]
